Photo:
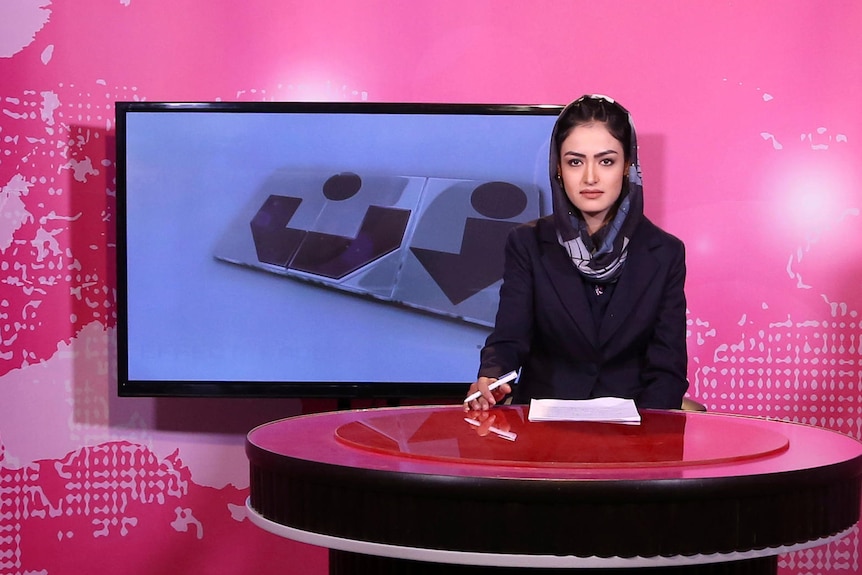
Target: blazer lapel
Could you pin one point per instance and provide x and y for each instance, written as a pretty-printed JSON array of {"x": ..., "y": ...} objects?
[
  {"x": 641, "y": 266},
  {"x": 569, "y": 286}
]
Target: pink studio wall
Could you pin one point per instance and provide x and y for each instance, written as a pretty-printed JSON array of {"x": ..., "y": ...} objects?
[{"x": 751, "y": 136}]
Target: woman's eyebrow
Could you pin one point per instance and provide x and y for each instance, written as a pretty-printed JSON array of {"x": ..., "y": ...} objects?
[{"x": 598, "y": 155}]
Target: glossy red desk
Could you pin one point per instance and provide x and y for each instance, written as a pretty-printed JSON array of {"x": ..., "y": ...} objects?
[{"x": 421, "y": 490}]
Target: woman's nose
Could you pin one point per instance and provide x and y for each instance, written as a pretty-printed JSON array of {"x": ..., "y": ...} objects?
[{"x": 590, "y": 174}]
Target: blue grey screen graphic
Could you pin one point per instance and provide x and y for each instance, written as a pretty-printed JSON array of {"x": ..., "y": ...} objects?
[{"x": 321, "y": 246}]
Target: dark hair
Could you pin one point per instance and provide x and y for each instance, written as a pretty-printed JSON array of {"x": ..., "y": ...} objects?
[{"x": 589, "y": 109}]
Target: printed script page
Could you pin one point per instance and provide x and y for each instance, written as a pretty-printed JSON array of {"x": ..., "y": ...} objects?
[{"x": 612, "y": 409}]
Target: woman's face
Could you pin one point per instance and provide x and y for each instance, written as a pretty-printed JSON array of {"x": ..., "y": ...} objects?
[{"x": 592, "y": 168}]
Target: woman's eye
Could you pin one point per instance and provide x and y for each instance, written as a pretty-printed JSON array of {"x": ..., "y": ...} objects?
[{"x": 607, "y": 162}]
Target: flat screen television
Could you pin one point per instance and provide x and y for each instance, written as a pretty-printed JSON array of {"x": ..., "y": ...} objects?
[{"x": 341, "y": 250}]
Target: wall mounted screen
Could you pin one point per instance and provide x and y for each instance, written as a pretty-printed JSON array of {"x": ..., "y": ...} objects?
[{"x": 317, "y": 249}]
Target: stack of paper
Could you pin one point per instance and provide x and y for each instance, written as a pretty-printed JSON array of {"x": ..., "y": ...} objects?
[{"x": 607, "y": 409}]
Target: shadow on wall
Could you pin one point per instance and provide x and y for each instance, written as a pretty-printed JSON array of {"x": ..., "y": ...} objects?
[
  {"x": 651, "y": 153},
  {"x": 91, "y": 248},
  {"x": 220, "y": 415}
]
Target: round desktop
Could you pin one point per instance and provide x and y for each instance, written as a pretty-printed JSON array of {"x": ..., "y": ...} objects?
[{"x": 436, "y": 490}]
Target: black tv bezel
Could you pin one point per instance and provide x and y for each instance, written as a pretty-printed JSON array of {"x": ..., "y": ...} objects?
[{"x": 342, "y": 390}]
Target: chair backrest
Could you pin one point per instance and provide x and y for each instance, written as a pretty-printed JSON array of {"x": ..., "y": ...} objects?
[{"x": 689, "y": 404}]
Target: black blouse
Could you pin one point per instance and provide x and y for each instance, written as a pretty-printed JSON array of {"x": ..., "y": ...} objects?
[{"x": 599, "y": 295}]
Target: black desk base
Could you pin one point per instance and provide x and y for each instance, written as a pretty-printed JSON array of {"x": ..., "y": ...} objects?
[{"x": 347, "y": 563}]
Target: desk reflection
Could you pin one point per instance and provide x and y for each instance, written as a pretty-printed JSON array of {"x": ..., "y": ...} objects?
[{"x": 444, "y": 435}]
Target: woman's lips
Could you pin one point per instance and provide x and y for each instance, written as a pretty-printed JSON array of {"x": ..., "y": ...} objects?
[{"x": 591, "y": 194}]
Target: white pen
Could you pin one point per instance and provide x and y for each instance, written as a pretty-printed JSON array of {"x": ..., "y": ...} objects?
[
  {"x": 511, "y": 376},
  {"x": 511, "y": 436}
]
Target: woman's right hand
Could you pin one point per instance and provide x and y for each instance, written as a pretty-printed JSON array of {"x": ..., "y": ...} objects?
[{"x": 488, "y": 397}]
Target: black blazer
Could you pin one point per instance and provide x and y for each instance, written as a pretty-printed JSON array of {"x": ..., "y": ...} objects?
[{"x": 545, "y": 326}]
